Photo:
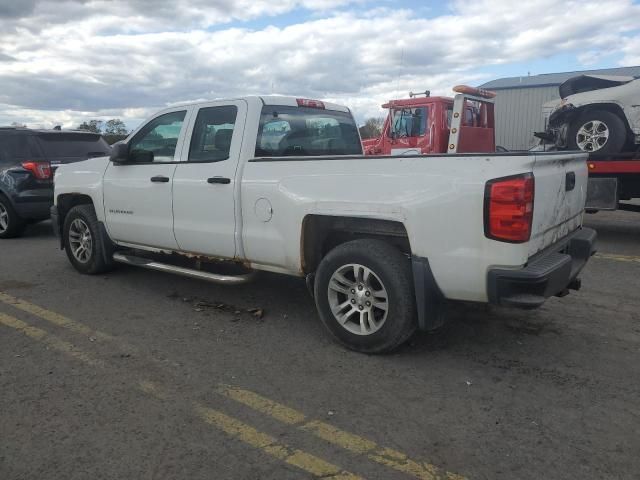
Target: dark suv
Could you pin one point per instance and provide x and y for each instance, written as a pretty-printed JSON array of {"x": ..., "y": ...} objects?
[{"x": 28, "y": 159}]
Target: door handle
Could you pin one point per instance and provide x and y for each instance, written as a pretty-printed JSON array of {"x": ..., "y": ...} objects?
[
  {"x": 160, "y": 179},
  {"x": 570, "y": 181},
  {"x": 221, "y": 180}
]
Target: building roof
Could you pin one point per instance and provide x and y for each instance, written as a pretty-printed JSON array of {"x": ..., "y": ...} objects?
[{"x": 554, "y": 79}]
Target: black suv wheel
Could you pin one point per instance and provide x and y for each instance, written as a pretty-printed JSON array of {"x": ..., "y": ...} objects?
[{"x": 11, "y": 225}]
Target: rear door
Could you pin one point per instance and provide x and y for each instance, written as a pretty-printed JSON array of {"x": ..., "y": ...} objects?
[
  {"x": 137, "y": 195},
  {"x": 204, "y": 184},
  {"x": 560, "y": 195}
]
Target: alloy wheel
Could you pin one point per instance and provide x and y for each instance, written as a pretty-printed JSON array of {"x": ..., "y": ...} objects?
[
  {"x": 592, "y": 136},
  {"x": 80, "y": 240},
  {"x": 4, "y": 218},
  {"x": 358, "y": 299}
]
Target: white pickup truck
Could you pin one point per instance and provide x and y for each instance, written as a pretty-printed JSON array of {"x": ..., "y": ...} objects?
[{"x": 280, "y": 184}]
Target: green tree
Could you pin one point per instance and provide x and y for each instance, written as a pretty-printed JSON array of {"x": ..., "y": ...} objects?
[
  {"x": 94, "y": 126},
  {"x": 372, "y": 128},
  {"x": 115, "y": 126}
]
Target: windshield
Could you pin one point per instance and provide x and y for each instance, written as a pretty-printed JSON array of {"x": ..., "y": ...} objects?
[
  {"x": 409, "y": 122},
  {"x": 302, "y": 131}
]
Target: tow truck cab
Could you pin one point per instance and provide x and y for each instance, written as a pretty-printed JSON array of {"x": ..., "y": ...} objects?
[{"x": 425, "y": 124}]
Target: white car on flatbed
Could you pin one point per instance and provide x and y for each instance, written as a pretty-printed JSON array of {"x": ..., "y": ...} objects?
[{"x": 280, "y": 184}]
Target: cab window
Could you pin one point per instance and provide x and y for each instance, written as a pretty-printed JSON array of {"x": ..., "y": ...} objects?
[
  {"x": 306, "y": 131},
  {"x": 157, "y": 140}
]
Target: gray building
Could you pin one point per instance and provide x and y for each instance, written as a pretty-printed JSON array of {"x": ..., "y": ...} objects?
[{"x": 519, "y": 103}]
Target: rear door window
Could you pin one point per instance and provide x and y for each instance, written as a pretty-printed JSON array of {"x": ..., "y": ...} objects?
[
  {"x": 68, "y": 147},
  {"x": 303, "y": 131},
  {"x": 212, "y": 134}
]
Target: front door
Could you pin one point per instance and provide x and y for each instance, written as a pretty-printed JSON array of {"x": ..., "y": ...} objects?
[
  {"x": 137, "y": 194},
  {"x": 205, "y": 181}
]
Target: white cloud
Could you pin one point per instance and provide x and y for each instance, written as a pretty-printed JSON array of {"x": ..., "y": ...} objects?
[
  {"x": 74, "y": 60},
  {"x": 631, "y": 51}
]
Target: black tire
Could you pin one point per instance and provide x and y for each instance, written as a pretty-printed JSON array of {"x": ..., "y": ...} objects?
[
  {"x": 15, "y": 224},
  {"x": 615, "y": 125},
  {"x": 393, "y": 270},
  {"x": 99, "y": 259}
]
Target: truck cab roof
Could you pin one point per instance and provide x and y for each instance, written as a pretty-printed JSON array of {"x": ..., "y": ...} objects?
[
  {"x": 277, "y": 100},
  {"x": 417, "y": 101}
]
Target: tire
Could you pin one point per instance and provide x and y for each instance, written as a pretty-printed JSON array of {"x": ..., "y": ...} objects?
[
  {"x": 388, "y": 270},
  {"x": 81, "y": 228},
  {"x": 11, "y": 224},
  {"x": 609, "y": 128}
]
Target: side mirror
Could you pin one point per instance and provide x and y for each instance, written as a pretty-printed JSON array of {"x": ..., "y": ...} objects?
[{"x": 119, "y": 153}]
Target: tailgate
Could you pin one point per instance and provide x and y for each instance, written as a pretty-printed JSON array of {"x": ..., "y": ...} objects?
[{"x": 560, "y": 195}]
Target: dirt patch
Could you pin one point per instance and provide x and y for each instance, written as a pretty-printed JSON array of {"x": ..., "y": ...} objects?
[{"x": 201, "y": 305}]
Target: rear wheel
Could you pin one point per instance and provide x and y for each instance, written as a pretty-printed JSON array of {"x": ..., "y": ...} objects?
[
  {"x": 11, "y": 225},
  {"x": 364, "y": 295},
  {"x": 86, "y": 248},
  {"x": 597, "y": 131}
]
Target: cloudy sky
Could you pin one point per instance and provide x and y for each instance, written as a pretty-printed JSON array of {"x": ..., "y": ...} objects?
[{"x": 65, "y": 61}]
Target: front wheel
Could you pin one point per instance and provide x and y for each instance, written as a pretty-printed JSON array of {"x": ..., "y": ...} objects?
[
  {"x": 85, "y": 246},
  {"x": 364, "y": 295},
  {"x": 597, "y": 131}
]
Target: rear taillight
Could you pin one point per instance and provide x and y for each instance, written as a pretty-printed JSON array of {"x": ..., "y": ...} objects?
[
  {"x": 305, "y": 102},
  {"x": 508, "y": 208},
  {"x": 40, "y": 170}
]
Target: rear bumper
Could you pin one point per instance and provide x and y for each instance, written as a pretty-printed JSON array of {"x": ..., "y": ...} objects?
[
  {"x": 551, "y": 272},
  {"x": 33, "y": 203},
  {"x": 33, "y": 210}
]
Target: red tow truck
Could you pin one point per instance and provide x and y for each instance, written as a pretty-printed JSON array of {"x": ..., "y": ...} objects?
[
  {"x": 424, "y": 124},
  {"x": 612, "y": 179}
]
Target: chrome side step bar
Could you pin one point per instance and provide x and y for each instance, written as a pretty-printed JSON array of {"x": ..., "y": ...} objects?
[{"x": 186, "y": 272}]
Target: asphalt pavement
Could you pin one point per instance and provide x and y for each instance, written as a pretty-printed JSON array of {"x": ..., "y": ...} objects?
[{"x": 142, "y": 375}]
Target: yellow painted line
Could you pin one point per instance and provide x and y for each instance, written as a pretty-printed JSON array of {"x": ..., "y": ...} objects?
[
  {"x": 353, "y": 443},
  {"x": 152, "y": 389},
  {"x": 49, "y": 340},
  {"x": 270, "y": 445},
  {"x": 54, "y": 318},
  {"x": 280, "y": 412},
  {"x": 618, "y": 258},
  {"x": 257, "y": 439}
]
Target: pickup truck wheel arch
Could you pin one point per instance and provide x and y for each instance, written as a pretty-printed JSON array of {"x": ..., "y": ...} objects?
[
  {"x": 321, "y": 233},
  {"x": 346, "y": 310},
  {"x": 63, "y": 205}
]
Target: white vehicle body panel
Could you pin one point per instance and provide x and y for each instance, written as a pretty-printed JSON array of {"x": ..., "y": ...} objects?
[
  {"x": 204, "y": 214},
  {"x": 137, "y": 210},
  {"x": 83, "y": 178},
  {"x": 258, "y": 218},
  {"x": 435, "y": 197}
]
